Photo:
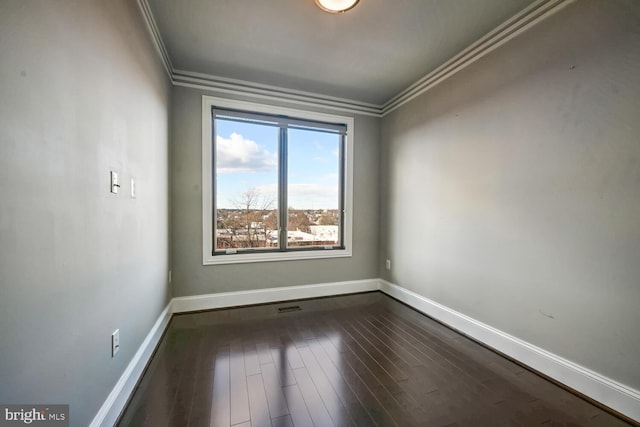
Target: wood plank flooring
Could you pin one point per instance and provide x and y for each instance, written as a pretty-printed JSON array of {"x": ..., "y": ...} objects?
[{"x": 356, "y": 360}]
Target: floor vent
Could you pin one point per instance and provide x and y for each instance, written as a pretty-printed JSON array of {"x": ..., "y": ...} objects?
[{"x": 289, "y": 308}]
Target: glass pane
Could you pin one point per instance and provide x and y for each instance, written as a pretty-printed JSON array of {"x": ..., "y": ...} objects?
[
  {"x": 246, "y": 186},
  {"x": 313, "y": 188}
]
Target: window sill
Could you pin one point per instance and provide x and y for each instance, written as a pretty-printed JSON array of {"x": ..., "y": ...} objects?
[{"x": 274, "y": 256}]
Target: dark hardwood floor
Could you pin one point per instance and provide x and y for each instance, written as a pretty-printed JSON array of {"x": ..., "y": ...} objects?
[{"x": 357, "y": 360}]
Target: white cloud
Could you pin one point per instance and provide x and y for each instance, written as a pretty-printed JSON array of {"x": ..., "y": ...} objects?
[
  {"x": 239, "y": 155},
  {"x": 269, "y": 190},
  {"x": 306, "y": 196},
  {"x": 313, "y": 190}
]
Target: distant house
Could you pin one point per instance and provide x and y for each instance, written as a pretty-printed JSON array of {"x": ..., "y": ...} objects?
[{"x": 325, "y": 232}]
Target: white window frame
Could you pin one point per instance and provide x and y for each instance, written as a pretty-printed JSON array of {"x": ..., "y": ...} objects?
[{"x": 208, "y": 177}]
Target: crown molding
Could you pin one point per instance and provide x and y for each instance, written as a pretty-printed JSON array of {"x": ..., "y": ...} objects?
[
  {"x": 522, "y": 21},
  {"x": 152, "y": 27},
  {"x": 274, "y": 93},
  {"x": 246, "y": 88}
]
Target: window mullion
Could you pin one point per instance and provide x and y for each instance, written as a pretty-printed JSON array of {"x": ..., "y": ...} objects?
[
  {"x": 282, "y": 189},
  {"x": 342, "y": 211},
  {"x": 214, "y": 204}
]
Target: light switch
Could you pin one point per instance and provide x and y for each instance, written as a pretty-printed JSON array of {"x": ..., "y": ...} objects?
[
  {"x": 114, "y": 182},
  {"x": 133, "y": 188},
  {"x": 115, "y": 342}
]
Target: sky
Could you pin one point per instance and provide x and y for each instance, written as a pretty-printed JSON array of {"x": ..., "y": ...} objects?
[{"x": 247, "y": 158}]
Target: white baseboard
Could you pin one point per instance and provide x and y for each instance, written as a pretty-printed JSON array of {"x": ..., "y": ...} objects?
[
  {"x": 117, "y": 399},
  {"x": 260, "y": 296},
  {"x": 600, "y": 388}
]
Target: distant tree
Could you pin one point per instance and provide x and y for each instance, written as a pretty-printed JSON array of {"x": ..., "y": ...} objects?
[
  {"x": 299, "y": 220},
  {"x": 252, "y": 206},
  {"x": 271, "y": 220},
  {"x": 328, "y": 219},
  {"x": 227, "y": 221}
]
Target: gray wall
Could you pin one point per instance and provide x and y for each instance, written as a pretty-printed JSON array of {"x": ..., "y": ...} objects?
[
  {"x": 190, "y": 277},
  {"x": 511, "y": 192},
  {"x": 81, "y": 93}
]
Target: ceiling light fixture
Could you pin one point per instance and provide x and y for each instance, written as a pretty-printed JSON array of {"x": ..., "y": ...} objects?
[{"x": 336, "y": 6}]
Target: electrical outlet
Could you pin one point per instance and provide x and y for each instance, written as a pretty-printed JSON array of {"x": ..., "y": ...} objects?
[
  {"x": 115, "y": 342},
  {"x": 388, "y": 264}
]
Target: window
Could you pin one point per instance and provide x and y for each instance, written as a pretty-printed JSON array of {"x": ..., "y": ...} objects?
[{"x": 276, "y": 183}]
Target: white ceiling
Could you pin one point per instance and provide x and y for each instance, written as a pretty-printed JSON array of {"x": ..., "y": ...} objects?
[{"x": 369, "y": 54}]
